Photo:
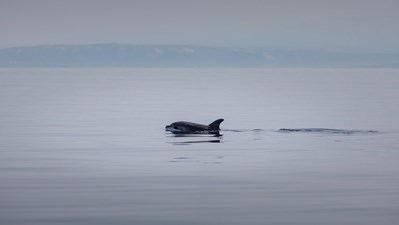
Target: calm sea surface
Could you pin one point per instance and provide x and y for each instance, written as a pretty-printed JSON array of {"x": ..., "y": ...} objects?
[{"x": 88, "y": 146}]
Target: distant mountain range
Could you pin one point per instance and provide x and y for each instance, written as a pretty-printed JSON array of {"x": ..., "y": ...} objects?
[{"x": 123, "y": 55}]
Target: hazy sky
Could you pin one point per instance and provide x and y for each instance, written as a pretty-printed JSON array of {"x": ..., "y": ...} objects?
[{"x": 340, "y": 25}]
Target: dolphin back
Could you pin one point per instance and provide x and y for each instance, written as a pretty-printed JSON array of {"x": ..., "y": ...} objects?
[{"x": 215, "y": 124}]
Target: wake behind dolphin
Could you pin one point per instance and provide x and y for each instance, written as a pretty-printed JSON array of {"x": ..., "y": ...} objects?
[
  {"x": 306, "y": 130},
  {"x": 326, "y": 130}
]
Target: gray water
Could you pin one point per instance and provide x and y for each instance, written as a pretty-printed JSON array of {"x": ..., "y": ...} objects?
[{"x": 88, "y": 146}]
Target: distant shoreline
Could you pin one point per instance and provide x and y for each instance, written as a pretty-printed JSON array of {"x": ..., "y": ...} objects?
[{"x": 184, "y": 56}]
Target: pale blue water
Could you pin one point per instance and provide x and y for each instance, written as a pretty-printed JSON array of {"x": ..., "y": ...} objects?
[{"x": 88, "y": 146}]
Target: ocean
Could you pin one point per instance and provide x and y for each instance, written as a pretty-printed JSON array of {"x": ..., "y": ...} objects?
[{"x": 89, "y": 146}]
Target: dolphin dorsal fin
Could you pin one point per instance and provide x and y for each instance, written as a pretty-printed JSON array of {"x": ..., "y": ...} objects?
[{"x": 215, "y": 124}]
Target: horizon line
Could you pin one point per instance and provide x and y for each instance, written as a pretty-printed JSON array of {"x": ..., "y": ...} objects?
[{"x": 201, "y": 46}]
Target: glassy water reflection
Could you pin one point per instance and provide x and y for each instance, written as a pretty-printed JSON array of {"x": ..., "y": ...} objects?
[{"x": 88, "y": 146}]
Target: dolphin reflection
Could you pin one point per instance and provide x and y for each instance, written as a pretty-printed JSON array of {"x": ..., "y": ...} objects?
[{"x": 193, "y": 142}]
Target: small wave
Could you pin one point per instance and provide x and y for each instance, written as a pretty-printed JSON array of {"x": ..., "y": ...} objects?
[
  {"x": 235, "y": 130},
  {"x": 243, "y": 130},
  {"x": 327, "y": 130}
]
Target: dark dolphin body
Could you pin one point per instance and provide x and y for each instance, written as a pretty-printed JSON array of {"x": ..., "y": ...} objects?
[{"x": 183, "y": 127}]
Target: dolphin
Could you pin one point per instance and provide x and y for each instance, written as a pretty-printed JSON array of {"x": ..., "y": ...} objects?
[{"x": 183, "y": 127}]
